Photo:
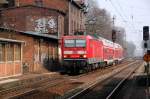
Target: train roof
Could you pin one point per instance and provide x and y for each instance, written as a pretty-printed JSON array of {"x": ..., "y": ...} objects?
[
  {"x": 79, "y": 36},
  {"x": 116, "y": 45},
  {"x": 106, "y": 42},
  {"x": 109, "y": 43}
]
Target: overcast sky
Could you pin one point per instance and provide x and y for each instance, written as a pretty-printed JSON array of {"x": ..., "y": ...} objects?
[{"x": 130, "y": 14}]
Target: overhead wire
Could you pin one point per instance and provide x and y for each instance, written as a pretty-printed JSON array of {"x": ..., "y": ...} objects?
[
  {"x": 125, "y": 14},
  {"x": 122, "y": 17}
]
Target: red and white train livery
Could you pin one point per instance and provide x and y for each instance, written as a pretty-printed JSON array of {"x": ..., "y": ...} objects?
[{"x": 89, "y": 52}]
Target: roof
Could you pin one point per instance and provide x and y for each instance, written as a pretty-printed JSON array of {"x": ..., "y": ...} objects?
[
  {"x": 40, "y": 34},
  {"x": 16, "y": 7},
  {"x": 117, "y": 45},
  {"x": 31, "y": 33}
]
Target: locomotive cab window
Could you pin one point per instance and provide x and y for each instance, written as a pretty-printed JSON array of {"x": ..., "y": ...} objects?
[
  {"x": 80, "y": 43},
  {"x": 69, "y": 43}
]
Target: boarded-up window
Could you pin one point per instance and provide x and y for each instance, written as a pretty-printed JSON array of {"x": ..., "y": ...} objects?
[
  {"x": 17, "y": 52},
  {"x": 10, "y": 52},
  {"x": 2, "y": 52}
]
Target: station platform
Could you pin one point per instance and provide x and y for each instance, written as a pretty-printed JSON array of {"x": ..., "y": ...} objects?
[
  {"x": 137, "y": 87},
  {"x": 25, "y": 79}
]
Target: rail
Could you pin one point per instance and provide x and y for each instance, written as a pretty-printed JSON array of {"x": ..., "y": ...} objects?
[
  {"x": 83, "y": 91},
  {"x": 119, "y": 85}
]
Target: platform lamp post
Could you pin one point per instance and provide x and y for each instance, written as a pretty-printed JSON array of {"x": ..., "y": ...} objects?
[{"x": 146, "y": 56}]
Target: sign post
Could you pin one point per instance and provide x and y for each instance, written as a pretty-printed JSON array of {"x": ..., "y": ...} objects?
[{"x": 147, "y": 55}]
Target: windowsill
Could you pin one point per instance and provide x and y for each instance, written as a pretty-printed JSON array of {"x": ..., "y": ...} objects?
[
  {"x": 10, "y": 61},
  {"x": 17, "y": 61},
  {"x": 2, "y": 62}
]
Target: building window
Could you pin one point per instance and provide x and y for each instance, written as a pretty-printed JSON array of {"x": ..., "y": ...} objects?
[
  {"x": 10, "y": 52},
  {"x": 39, "y": 3},
  {"x": 17, "y": 52},
  {"x": 2, "y": 53}
]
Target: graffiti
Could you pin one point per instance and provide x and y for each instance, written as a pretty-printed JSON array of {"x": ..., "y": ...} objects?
[
  {"x": 41, "y": 26},
  {"x": 45, "y": 25},
  {"x": 43, "y": 56},
  {"x": 36, "y": 58},
  {"x": 52, "y": 23}
]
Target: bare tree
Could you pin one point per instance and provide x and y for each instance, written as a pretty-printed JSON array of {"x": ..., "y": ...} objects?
[
  {"x": 130, "y": 49},
  {"x": 120, "y": 35},
  {"x": 98, "y": 21}
]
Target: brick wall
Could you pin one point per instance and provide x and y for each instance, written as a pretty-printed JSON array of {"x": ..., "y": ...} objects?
[
  {"x": 72, "y": 22},
  {"x": 76, "y": 19},
  {"x": 56, "y": 4},
  {"x": 27, "y": 48},
  {"x": 30, "y": 54},
  {"x": 33, "y": 19}
]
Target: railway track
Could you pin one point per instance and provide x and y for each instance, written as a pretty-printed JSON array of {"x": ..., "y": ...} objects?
[
  {"x": 32, "y": 89},
  {"x": 88, "y": 93},
  {"x": 120, "y": 84}
]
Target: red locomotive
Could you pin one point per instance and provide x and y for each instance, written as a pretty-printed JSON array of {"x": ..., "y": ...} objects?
[{"x": 89, "y": 52}]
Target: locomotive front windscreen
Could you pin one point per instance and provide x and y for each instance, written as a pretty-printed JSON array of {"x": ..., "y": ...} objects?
[
  {"x": 80, "y": 43},
  {"x": 69, "y": 43},
  {"x": 75, "y": 43}
]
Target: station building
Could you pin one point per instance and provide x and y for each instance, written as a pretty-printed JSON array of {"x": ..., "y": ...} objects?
[
  {"x": 30, "y": 33},
  {"x": 74, "y": 11},
  {"x": 22, "y": 52}
]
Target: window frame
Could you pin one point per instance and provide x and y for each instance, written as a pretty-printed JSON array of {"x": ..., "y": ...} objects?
[
  {"x": 3, "y": 53},
  {"x": 80, "y": 40},
  {"x": 10, "y": 46},
  {"x": 18, "y": 47},
  {"x": 74, "y": 45}
]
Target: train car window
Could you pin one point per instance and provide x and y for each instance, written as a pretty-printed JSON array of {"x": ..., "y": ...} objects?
[
  {"x": 69, "y": 43},
  {"x": 80, "y": 43}
]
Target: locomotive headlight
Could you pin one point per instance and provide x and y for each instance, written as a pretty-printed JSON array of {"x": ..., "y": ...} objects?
[
  {"x": 65, "y": 56},
  {"x": 84, "y": 56}
]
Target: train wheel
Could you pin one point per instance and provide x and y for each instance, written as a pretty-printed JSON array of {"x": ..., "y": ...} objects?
[
  {"x": 114, "y": 63},
  {"x": 86, "y": 69},
  {"x": 105, "y": 64},
  {"x": 89, "y": 68},
  {"x": 99, "y": 65},
  {"x": 93, "y": 67},
  {"x": 96, "y": 65}
]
